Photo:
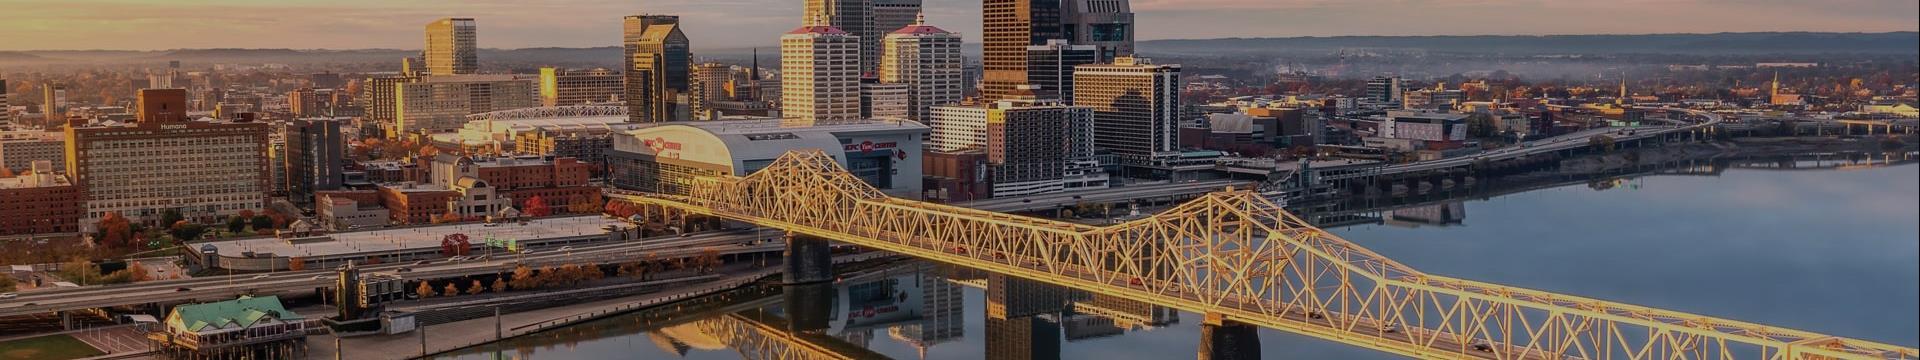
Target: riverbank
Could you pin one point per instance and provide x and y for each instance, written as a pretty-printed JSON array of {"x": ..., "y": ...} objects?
[{"x": 1738, "y": 147}]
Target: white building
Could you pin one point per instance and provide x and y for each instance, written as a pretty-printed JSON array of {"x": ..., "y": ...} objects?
[
  {"x": 819, "y": 74},
  {"x": 1030, "y": 144},
  {"x": 883, "y": 101},
  {"x": 927, "y": 60},
  {"x": 19, "y": 149},
  {"x": 665, "y": 157}
]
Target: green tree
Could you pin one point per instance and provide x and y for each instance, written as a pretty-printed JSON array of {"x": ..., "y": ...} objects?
[
  {"x": 262, "y": 223},
  {"x": 184, "y": 231},
  {"x": 235, "y": 225},
  {"x": 171, "y": 216}
]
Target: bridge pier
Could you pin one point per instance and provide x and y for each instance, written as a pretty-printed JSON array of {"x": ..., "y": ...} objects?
[
  {"x": 66, "y": 320},
  {"x": 1222, "y": 339},
  {"x": 809, "y": 306},
  {"x": 809, "y": 259}
]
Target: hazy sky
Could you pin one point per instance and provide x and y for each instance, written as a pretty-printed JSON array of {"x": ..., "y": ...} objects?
[{"x": 305, "y": 24}]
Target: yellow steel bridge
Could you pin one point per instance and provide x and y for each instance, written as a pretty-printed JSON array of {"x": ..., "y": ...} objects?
[{"x": 1238, "y": 257}]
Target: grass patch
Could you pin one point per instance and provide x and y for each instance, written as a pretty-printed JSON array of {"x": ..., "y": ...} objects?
[{"x": 50, "y": 347}]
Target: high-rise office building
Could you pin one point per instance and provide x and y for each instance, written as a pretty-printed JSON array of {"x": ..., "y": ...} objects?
[
  {"x": 452, "y": 48},
  {"x": 880, "y": 100},
  {"x": 1050, "y": 67},
  {"x": 709, "y": 85},
  {"x": 927, "y": 60},
  {"x": 891, "y": 15},
  {"x": 819, "y": 74},
  {"x": 1105, "y": 24},
  {"x": 202, "y": 169},
  {"x": 1136, "y": 108},
  {"x": 1008, "y": 27},
  {"x": 314, "y": 149},
  {"x": 1028, "y": 142},
  {"x": 1384, "y": 89},
  {"x": 658, "y": 61},
  {"x": 377, "y": 96},
  {"x": 442, "y": 103},
  {"x": 6, "y": 113},
  {"x": 854, "y": 17},
  {"x": 568, "y": 87},
  {"x": 54, "y": 101}
]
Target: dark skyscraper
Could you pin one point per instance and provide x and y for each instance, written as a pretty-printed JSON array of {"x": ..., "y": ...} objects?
[
  {"x": 658, "y": 61},
  {"x": 314, "y": 150},
  {"x": 1050, "y": 67},
  {"x": 1106, "y": 24},
  {"x": 1008, "y": 27}
]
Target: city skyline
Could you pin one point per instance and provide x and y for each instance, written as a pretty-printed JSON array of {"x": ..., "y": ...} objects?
[{"x": 358, "y": 24}]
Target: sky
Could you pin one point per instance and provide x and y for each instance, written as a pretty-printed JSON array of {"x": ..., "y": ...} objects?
[{"x": 714, "y": 24}]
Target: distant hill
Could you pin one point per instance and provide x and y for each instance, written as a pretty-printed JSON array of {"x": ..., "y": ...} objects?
[
  {"x": 19, "y": 56},
  {"x": 1701, "y": 44}
]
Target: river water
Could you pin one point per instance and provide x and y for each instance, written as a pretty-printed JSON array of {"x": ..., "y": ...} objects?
[{"x": 1819, "y": 250}]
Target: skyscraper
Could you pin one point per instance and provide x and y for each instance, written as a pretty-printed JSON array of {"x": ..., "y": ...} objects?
[
  {"x": 709, "y": 85},
  {"x": 927, "y": 60},
  {"x": 1008, "y": 27},
  {"x": 1384, "y": 89},
  {"x": 451, "y": 47},
  {"x": 1105, "y": 24},
  {"x": 891, "y": 15},
  {"x": 314, "y": 149},
  {"x": 1050, "y": 67},
  {"x": 854, "y": 17},
  {"x": 819, "y": 74},
  {"x": 6, "y": 116},
  {"x": 1028, "y": 142},
  {"x": 1136, "y": 106},
  {"x": 658, "y": 60},
  {"x": 55, "y": 103},
  {"x": 442, "y": 103}
]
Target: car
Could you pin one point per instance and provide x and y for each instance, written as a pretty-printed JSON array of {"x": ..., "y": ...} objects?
[
  {"x": 1315, "y": 315},
  {"x": 322, "y": 277},
  {"x": 421, "y": 262},
  {"x": 1390, "y": 328},
  {"x": 566, "y": 248},
  {"x": 490, "y": 224},
  {"x": 404, "y": 269},
  {"x": 183, "y": 289},
  {"x": 258, "y": 277},
  {"x": 9, "y": 296},
  {"x": 686, "y": 234},
  {"x": 1482, "y": 346},
  {"x": 1135, "y": 282},
  {"x": 527, "y": 251}
]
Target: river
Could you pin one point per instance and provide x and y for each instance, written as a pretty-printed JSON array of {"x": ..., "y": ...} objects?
[{"x": 1820, "y": 250}]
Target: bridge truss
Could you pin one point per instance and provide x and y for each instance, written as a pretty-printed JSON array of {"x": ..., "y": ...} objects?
[{"x": 1239, "y": 257}]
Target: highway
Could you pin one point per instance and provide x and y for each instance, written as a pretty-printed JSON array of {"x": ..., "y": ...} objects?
[
  {"x": 222, "y": 287},
  {"x": 1557, "y": 143}
]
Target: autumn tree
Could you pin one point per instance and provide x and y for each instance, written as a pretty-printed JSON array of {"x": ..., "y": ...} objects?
[
  {"x": 524, "y": 278},
  {"x": 451, "y": 289},
  {"x": 448, "y": 217},
  {"x": 425, "y": 290},
  {"x": 500, "y": 284},
  {"x": 476, "y": 288},
  {"x": 536, "y": 207},
  {"x": 5, "y": 173},
  {"x": 115, "y": 230},
  {"x": 184, "y": 231}
]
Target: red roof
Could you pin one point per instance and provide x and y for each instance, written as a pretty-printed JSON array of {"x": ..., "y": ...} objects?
[
  {"x": 918, "y": 29},
  {"x": 818, "y": 29}
]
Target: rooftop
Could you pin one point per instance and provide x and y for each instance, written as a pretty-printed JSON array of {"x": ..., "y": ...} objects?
[{"x": 239, "y": 313}]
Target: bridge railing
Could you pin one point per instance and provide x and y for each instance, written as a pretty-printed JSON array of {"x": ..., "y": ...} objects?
[{"x": 1242, "y": 257}]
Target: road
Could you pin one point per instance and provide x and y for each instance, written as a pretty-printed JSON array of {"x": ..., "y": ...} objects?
[
  {"x": 222, "y": 287},
  {"x": 1108, "y": 195}
]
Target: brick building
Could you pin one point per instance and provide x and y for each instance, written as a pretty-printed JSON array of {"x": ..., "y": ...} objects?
[{"x": 39, "y": 202}]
